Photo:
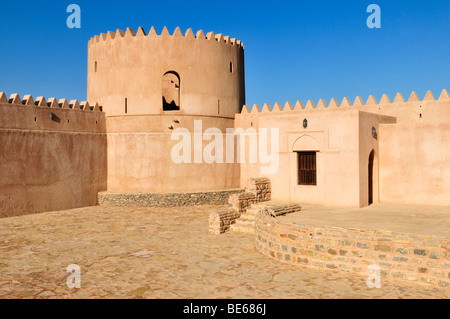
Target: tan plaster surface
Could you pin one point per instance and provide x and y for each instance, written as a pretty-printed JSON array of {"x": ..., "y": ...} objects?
[
  {"x": 411, "y": 219},
  {"x": 411, "y": 151},
  {"x": 160, "y": 253},
  {"x": 133, "y": 67}
]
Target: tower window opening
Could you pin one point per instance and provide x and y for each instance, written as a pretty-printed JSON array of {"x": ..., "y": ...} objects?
[
  {"x": 171, "y": 86},
  {"x": 231, "y": 67},
  {"x": 95, "y": 66},
  {"x": 126, "y": 106}
]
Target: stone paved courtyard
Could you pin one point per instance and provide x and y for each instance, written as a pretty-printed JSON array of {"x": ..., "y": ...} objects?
[{"x": 160, "y": 253}]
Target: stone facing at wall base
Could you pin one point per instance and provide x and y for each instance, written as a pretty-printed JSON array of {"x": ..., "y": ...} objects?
[
  {"x": 165, "y": 200},
  {"x": 405, "y": 257}
]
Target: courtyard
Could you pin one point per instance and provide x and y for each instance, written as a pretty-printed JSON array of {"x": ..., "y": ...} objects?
[{"x": 160, "y": 253}]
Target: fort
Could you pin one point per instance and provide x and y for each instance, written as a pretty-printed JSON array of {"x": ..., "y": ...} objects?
[{"x": 116, "y": 149}]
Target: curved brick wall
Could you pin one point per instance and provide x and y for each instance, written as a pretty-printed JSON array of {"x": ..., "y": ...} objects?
[{"x": 400, "y": 256}]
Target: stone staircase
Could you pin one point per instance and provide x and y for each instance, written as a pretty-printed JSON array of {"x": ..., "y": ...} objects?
[{"x": 246, "y": 223}]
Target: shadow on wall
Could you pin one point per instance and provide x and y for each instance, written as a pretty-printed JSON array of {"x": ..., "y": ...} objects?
[
  {"x": 170, "y": 106},
  {"x": 171, "y": 91},
  {"x": 53, "y": 156}
]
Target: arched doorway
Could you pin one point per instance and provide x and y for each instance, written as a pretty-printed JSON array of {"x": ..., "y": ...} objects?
[
  {"x": 373, "y": 178},
  {"x": 171, "y": 91}
]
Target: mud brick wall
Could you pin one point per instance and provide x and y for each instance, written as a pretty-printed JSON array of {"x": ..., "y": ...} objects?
[
  {"x": 166, "y": 200},
  {"x": 424, "y": 118},
  {"x": 52, "y": 155},
  {"x": 261, "y": 187},
  {"x": 405, "y": 257}
]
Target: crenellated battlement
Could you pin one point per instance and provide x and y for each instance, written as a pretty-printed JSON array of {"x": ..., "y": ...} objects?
[
  {"x": 43, "y": 114},
  {"x": 358, "y": 102},
  {"x": 129, "y": 72},
  {"x": 28, "y": 100},
  {"x": 152, "y": 34}
]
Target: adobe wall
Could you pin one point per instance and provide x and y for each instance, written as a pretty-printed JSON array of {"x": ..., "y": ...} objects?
[
  {"x": 140, "y": 156},
  {"x": 125, "y": 65},
  {"x": 411, "y": 149},
  {"x": 415, "y": 153},
  {"x": 334, "y": 134},
  {"x": 368, "y": 144},
  {"x": 125, "y": 74},
  {"x": 53, "y": 155}
]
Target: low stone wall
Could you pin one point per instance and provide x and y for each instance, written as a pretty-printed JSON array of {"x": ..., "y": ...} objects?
[
  {"x": 240, "y": 202},
  {"x": 220, "y": 222},
  {"x": 405, "y": 257},
  {"x": 166, "y": 200},
  {"x": 280, "y": 209},
  {"x": 261, "y": 187}
]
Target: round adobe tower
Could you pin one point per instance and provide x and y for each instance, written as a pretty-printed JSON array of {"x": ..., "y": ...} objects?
[
  {"x": 151, "y": 85},
  {"x": 137, "y": 74}
]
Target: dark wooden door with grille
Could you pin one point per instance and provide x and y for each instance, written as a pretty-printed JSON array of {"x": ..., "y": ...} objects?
[{"x": 307, "y": 173}]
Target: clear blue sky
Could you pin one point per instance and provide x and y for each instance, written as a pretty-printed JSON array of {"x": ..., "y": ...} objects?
[{"x": 295, "y": 50}]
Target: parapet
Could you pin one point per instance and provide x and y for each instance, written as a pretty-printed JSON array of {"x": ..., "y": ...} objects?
[
  {"x": 50, "y": 114},
  {"x": 152, "y": 34},
  {"x": 126, "y": 72},
  {"x": 345, "y": 104},
  {"x": 28, "y": 100}
]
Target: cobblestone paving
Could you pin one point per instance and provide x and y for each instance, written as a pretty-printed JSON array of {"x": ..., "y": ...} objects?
[{"x": 160, "y": 253}]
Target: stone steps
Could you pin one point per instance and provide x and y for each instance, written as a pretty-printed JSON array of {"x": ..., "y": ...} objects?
[
  {"x": 250, "y": 215},
  {"x": 246, "y": 223},
  {"x": 243, "y": 227}
]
